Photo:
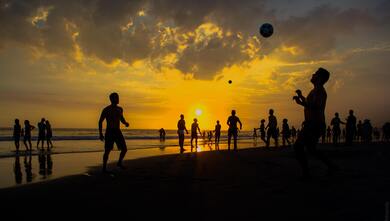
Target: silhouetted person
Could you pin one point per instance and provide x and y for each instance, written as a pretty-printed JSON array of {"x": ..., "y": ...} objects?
[
  {"x": 113, "y": 114},
  {"x": 350, "y": 128},
  {"x": 28, "y": 167},
  {"x": 16, "y": 134},
  {"x": 254, "y": 134},
  {"x": 359, "y": 133},
  {"x": 293, "y": 133},
  {"x": 367, "y": 131},
  {"x": 162, "y": 134},
  {"x": 217, "y": 132},
  {"x": 27, "y": 134},
  {"x": 18, "y": 170},
  {"x": 286, "y": 133},
  {"x": 181, "y": 128},
  {"x": 386, "y": 132},
  {"x": 41, "y": 133},
  {"x": 272, "y": 128},
  {"x": 210, "y": 136},
  {"x": 262, "y": 131},
  {"x": 194, "y": 133},
  {"x": 336, "y": 128},
  {"x": 328, "y": 134},
  {"x": 314, "y": 111},
  {"x": 377, "y": 134},
  {"x": 233, "y": 129},
  {"x": 49, "y": 135}
]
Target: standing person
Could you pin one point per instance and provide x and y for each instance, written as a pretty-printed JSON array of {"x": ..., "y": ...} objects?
[
  {"x": 359, "y": 132},
  {"x": 336, "y": 128},
  {"x": 286, "y": 133},
  {"x": 17, "y": 133},
  {"x": 233, "y": 129},
  {"x": 262, "y": 131},
  {"x": 328, "y": 134},
  {"x": 350, "y": 128},
  {"x": 367, "y": 131},
  {"x": 217, "y": 132},
  {"x": 314, "y": 111},
  {"x": 162, "y": 134},
  {"x": 194, "y": 133},
  {"x": 272, "y": 128},
  {"x": 49, "y": 135},
  {"x": 113, "y": 114},
  {"x": 41, "y": 133},
  {"x": 293, "y": 133},
  {"x": 181, "y": 128},
  {"x": 27, "y": 134}
]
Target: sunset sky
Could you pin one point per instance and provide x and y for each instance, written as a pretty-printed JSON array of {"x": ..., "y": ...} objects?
[{"x": 61, "y": 59}]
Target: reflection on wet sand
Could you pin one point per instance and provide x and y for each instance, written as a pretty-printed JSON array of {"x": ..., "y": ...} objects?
[{"x": 45, "y": 167}]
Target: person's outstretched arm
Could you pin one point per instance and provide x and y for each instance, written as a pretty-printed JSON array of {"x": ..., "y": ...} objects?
[
  {"x": 101, "y": 119},
  {"x": 123, "y": 119},
  {"x": 199, "y": 129},
  {"x": 240, "y": 123}
]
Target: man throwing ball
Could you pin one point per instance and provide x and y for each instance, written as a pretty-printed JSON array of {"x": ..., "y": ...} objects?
[
  {"x": 314, "y": 124},
  {"x": 113, "y": 114}
]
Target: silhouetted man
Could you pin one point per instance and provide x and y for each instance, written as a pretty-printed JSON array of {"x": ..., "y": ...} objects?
[
  {"x": 113, "y": 114},
  {"x": 17, "y": 133},
  {"x": 350, "y": 128},
  {"x": 286, "y": 133},
  {"x": 41, "y": 132},
  {"x": 233, "y": 129},
  {"x": 217, "y": 132},
  {"x": 336, "y": 128},
  {"x": 162, "y": 134},
  {"x": 181, "y": 128},
  {"x": 272, "y": 128},
  {"x": 314, "y": 124},
  {"x": 194, "y": 133}
]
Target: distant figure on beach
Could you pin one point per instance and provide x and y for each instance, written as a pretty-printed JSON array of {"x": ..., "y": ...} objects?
[
  {"x": 162, "y": 134},
  {"x": 376, "y": 133},
  {"x": 314, "y": 124},
  {"x": 293, "y": 133},
  {"x": 367, "y": 131},
  {"x": 350, "y": 128},
  {"x": 41, "y": 133},
  {"x": 16, "y": 134},
  {"x": 27, "y": 134},
  {"x": 328, "y": 134},
  {"x": 113, "y": 114},
  {"x": 210, "y": 136},
  {"x": 359, "y": 133},
  {"x": 272, "y": 128},
  {"x": 217, "y": 132},
  {"x": 262, "y": 131},
  {"x": 181, "y": 128},
  {"x": 336, "y": 128},
  {"x": 49, "y": 135},
  {"x": 194, "y": 133},
  {"x": 386, "y": 132},
  {"x": 286, "y": 133},
  {"x": 233, "y": 129}
]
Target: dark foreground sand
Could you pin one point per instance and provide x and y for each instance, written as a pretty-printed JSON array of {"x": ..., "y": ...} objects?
[{"x": 252, "y": 184}]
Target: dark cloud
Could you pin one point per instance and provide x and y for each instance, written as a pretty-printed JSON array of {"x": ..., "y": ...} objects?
[{"x": 110, "y": 30}]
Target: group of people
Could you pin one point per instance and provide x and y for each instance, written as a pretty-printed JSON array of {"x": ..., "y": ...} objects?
[{"x": 45, "y": 133}]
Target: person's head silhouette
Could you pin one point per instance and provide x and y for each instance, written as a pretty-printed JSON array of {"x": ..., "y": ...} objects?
[
  {"x": 43, "y": 120},
  {"x": 217, "y": 121},
  {"x": 26, "y": 122},
  {"x": 336, "y": 114},
  {"x": 351, "y": 112},
  {"x": 262, "y": 120},
  {"x": 320, "y": 77},
  {"x": 233, "y": 113},
  {"x": 271, "y": 112},
  {"x": 114, "y": 98},
  {"x": 285, "y": 120},
  {"x": 16, "y": 121},
  {"x": 181, "y": 116},
  {"x": 195, "y": 120}
]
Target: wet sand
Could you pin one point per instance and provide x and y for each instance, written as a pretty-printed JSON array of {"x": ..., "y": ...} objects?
[{"x": 248, "y": 184}]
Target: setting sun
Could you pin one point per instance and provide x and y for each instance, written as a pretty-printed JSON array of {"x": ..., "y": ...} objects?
[{"x": 198, "y": 112}]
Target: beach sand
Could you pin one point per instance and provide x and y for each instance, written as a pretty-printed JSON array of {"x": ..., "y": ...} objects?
[{"x": 249, "y": 184}]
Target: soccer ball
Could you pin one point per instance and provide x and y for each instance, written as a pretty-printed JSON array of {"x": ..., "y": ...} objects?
[
  {"x": 230, "y": 81},
  {"x": 266, "y": 30}
]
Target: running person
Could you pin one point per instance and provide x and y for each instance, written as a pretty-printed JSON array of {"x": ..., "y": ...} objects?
[{"x": 113, "y": 114}]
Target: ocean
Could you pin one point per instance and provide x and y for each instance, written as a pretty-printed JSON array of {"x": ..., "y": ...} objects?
[{"x": 74, "y": 140}]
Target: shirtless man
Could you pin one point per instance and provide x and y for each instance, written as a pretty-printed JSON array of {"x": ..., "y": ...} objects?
[
  {"x": 272, "y": 128},
  {"x": 314, "y": 124},
  {"x": 217, "y": 132},
  {"x": 181, "y": 128},
  {"x": 194, "y": 133},
  {"x": 113, "y": 114},
  {"x": 233, "y": 129}
]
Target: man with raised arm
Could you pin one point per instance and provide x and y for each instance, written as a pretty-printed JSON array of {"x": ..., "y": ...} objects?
[
  {"x": 113, "y": 114},
  {"x": 314, "y": 124}
]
